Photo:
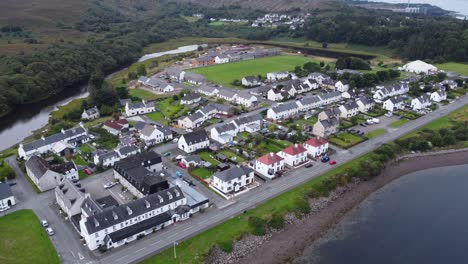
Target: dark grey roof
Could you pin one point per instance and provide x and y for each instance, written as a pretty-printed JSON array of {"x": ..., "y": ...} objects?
[
  {"x": 195, "y": 137},
  {"x": 127, "y": 149},
  {"x": 207, "y": 89},
  {"x": 121, "y": 234},
  {"x": 105, "y": 155},
  {"x": 125, "y": 101},
  {"x": 226, "y": 93},
  {"x": 102, "y": 219},
  {"x": 140, "y": 105},
  {"x": 194, "y": 77},
  {"x": 205, "y": 58},
  {"x": 193, "y": 158},
  {"x": 207, "y": 109},
  {"x": 195, "y": 116},
  {"x": 325, "y": 96},
  {"x": 92, "y": 111},
  {"x": 38, "y": 166},
  {"x": 139, "y": 125},
  {"x": 225, "y": 127},
  {"x": 310, "y": 100},
  {"x": 366, "y": 100},
  {"x": 251, "y": 79},
  {"x": 233, "y": 173},
  {"x": 330, "y": 122},
  {"x": 166, "y": 130},
  {"x": 191, "y": 97},
  {"x": 5, "y": 190},
  {"x": 424, "y": 99},
  {"x": 172, "y": 71},
  {"x": 222, "y": 107},
  {"x": 64, "y": 167},
  {"x": 350, "y": 106},
  {"x": 247, "y": 119},
  {"x": 285, "y": 107},
  {"x": 72, "y": 132},
  {"x": 396, "y": 99},
  {"x": 70, "y": 191}
]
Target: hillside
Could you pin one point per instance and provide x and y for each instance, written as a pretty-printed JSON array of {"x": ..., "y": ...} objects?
[{"x": 266, "y": 5}]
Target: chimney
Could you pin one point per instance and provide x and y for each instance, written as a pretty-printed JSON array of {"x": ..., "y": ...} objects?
[
  {"x": 42, "y": 137},
  {"x": 160, "y": 199},
  {"x": 147, "y": 204},
  {"x": 115, "y": 215},
  {"x": 272, "y": 154},
  {"x": 129, "y": 211},
  {"x": 170, "y": 195},
  {"x": 63, "y": 131}
]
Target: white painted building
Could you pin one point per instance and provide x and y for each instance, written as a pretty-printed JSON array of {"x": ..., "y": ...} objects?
[
  {"x": 421, "y": 102},
  {"x": 439, "y": 95},
  {"x": 349, "y": 110},
  {"x": 7, "y": 200},
  {"x": 283, "y": 111},
  {"x": 246, "y": 99},
  {"x": 141, "y": 108},
  {"x": 418, "y": 67},
  {"x": 233, "y": 180},
  {"x": 276, "y": 76},
  {"x": 342, "y": 86},
  {"x": 294, "y": 155},
  {"x": 365, "y": 104},
  {"x": 316, "y": 146},
  {"x": 194, "y": 141},
  {"x": 268, "y": 165},
  {"x": 394, "y": 104}
]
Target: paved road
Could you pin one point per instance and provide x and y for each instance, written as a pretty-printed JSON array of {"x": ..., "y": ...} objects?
[
  {"x": 140, "y": 250},
  {"x": 71, "y": 250}
]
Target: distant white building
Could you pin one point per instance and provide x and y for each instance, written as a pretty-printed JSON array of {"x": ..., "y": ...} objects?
[
  {"x": 421, "y": 102},
  {"x": 193, "y": 141},
  {"x": 250, "y": 81},
  {"x": 276, "y": 76},
  {"x": 141, "y": 108},
  {"x": 283, "y": 111},
  {"x": 394, "y": 104},
  {"x": 342, "y": 86},
  {"x": 365, "y": 104},
  {"x": 221, "y": 59},
  {"x": 7, "y": 200},
  {"x": 439, "y": 95},
  {"x": 90, "y": 114},
  {"x": 419, "y": 66},
  {"x": 105, "y": 158},
  {"x": 233, "y": 180},
  {"x": 246, "y": 99}
]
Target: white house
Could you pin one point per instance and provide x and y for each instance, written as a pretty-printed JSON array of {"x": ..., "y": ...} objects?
[
  {"x": 316, "y": 146},
  {"x": 276, "y": 95},
  {"x": 294, "y": 155},
  {"x": 194, "y": 78},
  {"x": 439, "y": 95},
  {"x": 155, "y": 84},
  {"x": 397, "y": 89},
  {"x": 329, "y": 97},
  {"x": 449, "y": 83},
  {"x": 7, "y": 200},
  {"x": 233, "y": 180},
  {"x": 174, "y": 74},
  {"x": 105, "y": 158},
  {"x": 115, "y": 127},
  {"x": 309, "y": 102},
  {"x": 251, "y": 123},
  {"x": 192, "y": 121},
  {"x": 419, "y": 66},
  {"x": 268, "y": 165},
  {"x": 90, "y": 114},
  {"x": 349, "y": 110},
  {"x": 421, "y": 102},
  {"x": 283, "y": 111},
  {"x": 45, "y": 176},
  {"x": 311, "y": 83},
  {"x": 365, "y": 104},
  {"x": 127, "y": 151},
  {"x": 250, "y": 81},
  {"x": 318, "y": 77},
  {"x": 151, "y": 135},
  {"x": 190, "y": 98},
  {"x": 141, "y": 108},
  {"x": 227, "y": 95},
  {"x": 70, "y": 195},
  {"x": 276, "y": 76},
  {"x": 208, "y": 90},
  {"x": 221, "y": 59},
  {"x": 245, "y": 99},
  {"x": 394, "y": 103},
  {"x": 193, "y": 141},
  {"x": 224, "y": 133},
  {"x": 342, "y": 86}
]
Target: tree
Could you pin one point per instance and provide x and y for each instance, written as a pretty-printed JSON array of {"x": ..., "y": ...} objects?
[
  {"x": 141, "y": 70},
  {"x": 132, "y": 75},
  {"x": 122, "y": 92},
  {"x": 324, "y": 45}
]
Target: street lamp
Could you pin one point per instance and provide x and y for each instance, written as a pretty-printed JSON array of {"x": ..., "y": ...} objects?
[{"x": 175, "y": 253}]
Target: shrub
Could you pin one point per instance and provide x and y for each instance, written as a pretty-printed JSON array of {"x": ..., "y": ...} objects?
[
  {"x": 301, "y": 206},
  {"x": 257, "y": 226},
  {"x": 225, "y": 245},
  {"x": 276, "y": 221}
]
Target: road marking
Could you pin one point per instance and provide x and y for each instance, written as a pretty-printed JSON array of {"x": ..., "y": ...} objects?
[
  {"x": 173, "y": 235},
  {"x": 81, "y": 257},
  {"x": 140, "y": 250},
  {"x": 72, "y": 254},
  {"x": 155, "y": 243}
]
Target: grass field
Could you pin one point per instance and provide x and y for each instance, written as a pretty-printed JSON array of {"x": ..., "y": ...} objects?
[
  {"x": 24, "y": 240},
  {"x": 202, "y": 173},
  {"x": 65, "y": 109},
  {"x": 399, "y": 123},
  {"x": 271, "y": 145},
  {"x": 460, "y": 68},
  {"x": 232, "y": 156},
  {"x": 157, "y": 117},
  {"x": 345, "y": 140},
  {"x": 207, "y": 156},
  {"x": 224, "y": 74},
  {"x": 143, "y": 94},
  {"x": 375, "y": 133},
  {"x": 222, "y": 23}
]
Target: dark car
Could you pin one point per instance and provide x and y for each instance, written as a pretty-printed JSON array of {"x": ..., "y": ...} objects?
[
  {"x": 325, "y": 159},
  {"x": 363, "y": 125},
  {"x": 308, "y": 165}
]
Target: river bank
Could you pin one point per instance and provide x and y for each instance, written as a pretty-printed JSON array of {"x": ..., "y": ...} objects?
[{"x": 286, "y": 244}]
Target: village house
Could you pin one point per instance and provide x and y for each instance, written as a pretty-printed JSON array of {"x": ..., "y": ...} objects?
[
  {"x": 251, "y": 123},
  {"x": 203, "y": 61},
  {"x": 155, "y": 84},
  {"x": 261, "y": 91},
  {"x": 233, "y": 180},
  {"x": 350, "y": 94},
  {"x": 115, "y": 127},
  {"x": 316, "y": 146},
  {"x": 283, "y": 111},
  {"x": 439, "y": 96},
  {"x": 174, "y": 74},
  {"x": 330, "y": 97},
  {"x": 309, "y": 103},
  {"x": 141, "y": 108},
  {"x": 221, "y": 59},
  {"x": 227, "y": 95},
  {"x": 318, "y": 77},
  {"x": 224, "y": 133},
  {"x": 192, "y": 161},
  {"x": 421, "y": 102},
  {"x": 127, "y": 151},
  {"x": 326, "y": 127},
  {"x": 151, "y": 135},
  {"x": 451, "y": 84},
  {"x": 190, "y": 98},
  {"x": 269, "y": 165},
  {"x": 394, "y": 103},
  {"x": 192, "y": 121},
  {"x": 70, "y": 195},
  {"x": 208, "y": 90},
  {"x": 250, "y": 81},
  {"x": 396, "y": 89},
  {"x": 276, "y": 95},
  {"x": 328, "y": 84},
  {"x": 311, "y": 83},
  {"x": 277, "y": 76},
  {"x": 223, "y": 109},
  {"x": 193, "y": 141},
  {"x": 7, "y": 199},
  {"x": 348, "y": 110},
  {"x": 73, "y": 136},
  {"x": 365, "y": 104},
  {"x": 418, "y": 67},
  {"x": 194, "y": 78},
  {"x": 245, "y": 99},
  {"x": 342, "y": 86},
  {"x": 45, "y": 176},
  {"x": 91, "y": 113},
  {"x": 294, "y": 155},
  {"x": 105, "y": 158}
]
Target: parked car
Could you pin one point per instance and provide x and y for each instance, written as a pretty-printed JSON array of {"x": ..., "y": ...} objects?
[
  {"x": 50, "y": 231},
  {"x": 308, "y": 165},
  {"x": 325, "y": 159},
  {"x": 332, "y": 162},
  {"x": 109, "y": 185},
  {"x": 389, "y": 114},
  {"x": 88, "y": 171},
  {"x": 175, "y": 140},
  {"x": 182, "y": 165},
  {"x": 167, "y": 154},
  {"x": 363, "y": 125},
  {"x": 221, "y": 121},
  {"x": 45, "y": 223}
]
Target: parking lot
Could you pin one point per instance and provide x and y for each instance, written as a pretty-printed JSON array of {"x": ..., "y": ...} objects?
[
  {"x": 96, "y": 188},
  {"x": 384, "y": 123}
]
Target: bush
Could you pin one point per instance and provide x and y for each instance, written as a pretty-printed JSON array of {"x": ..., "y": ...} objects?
[
  {"x": 276, "y": 221},
  {"x": 225, "y": 245},
  {"x": 6, "y": 172},
  {"x": 301, "y": 206},
  {"x": 257, "y": 226}
]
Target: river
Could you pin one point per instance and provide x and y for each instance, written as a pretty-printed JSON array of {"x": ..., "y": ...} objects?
[
  {"x": 418, "y": 218},
  {"x": 460, "y": 6},
  {"x": 21, "y": 123}
]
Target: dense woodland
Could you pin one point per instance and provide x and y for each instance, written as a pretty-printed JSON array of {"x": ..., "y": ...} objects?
[{"x": 117, "y": 39}]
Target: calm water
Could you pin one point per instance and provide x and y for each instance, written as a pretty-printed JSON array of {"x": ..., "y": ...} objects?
[
  {"x": 22, "y": 122},
  {"x": 420, "y": 218},
  {"x": 460, "y": 6}
]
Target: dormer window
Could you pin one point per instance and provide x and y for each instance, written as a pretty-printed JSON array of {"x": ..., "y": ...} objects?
[
  {"x": 129, "y": 211},
  {"x": 170, "y": 195},
  {"x": 147, "y": 204},
  {"x": 115, "y": 215},
  {"x": 177, "y": 192},
  {"x": 96, "y": 223},
  {"x": 160, "y": 199}
]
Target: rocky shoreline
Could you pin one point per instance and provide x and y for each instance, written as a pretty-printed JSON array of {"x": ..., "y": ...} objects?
[{"x": 282, "y": 246}]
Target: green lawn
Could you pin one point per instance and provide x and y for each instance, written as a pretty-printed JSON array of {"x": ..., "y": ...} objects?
[
  {"x": 399, "y": 123},
  {"x": 345, "y": 140},
  {"x": 309, "y": 122},
  {"x": 65, "y": 109},
  {"x": 24, "y": 240},
  {"x": 169, "y": 108},
  {"x": 82, "y": 174},
  {"x": 143, "y": 94},
  {"x": 86, "y": 148},
  {"x": 375, "y": 133},
  {"x": 225, "y": 73},
  {"x": 222, "y": 23},
  {"x": 460, "y": 68},
  {"x": 232, "y": 156},
  {"x": 202, "y": 173},
  {"x": 407, "y": 114},
  {"x": 157, "y": 117},
  {"x": 207, "y": 156},
  {"x": 79, "y": 160},
  {"x": 272, "y": 145}
]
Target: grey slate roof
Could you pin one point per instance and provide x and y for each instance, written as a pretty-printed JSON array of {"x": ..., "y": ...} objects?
[
  {"x": 225, "y": 127},
  {"x": 37, "y": 165},
  {"x": 195, "y": 137},
  {"x": 206, "y": 89},
  {"x": 123, "y": 102},
  {"x": 251, "y": 79},
  {"x": 195, "y": 116},
  {"x": 70, "y": 191},
  {"x": 5, "y": 190},
  {"x": 233, "y": 173},
  {"x": 194, "y": 77},
  {"x": 107, "y": 155},
  {"x": 139, "y": 125},
  {"x": 285, "y": 107},
  {"x": 366, "y": 100},
  {"x": 247, "y": 119},
  {"x": 222, "y": 107},
  {"x": 147, "y": 130},
  {"x": 92, "y": 111},
  {"x": 127, "y": 149},
  {"x": 172, "y": 71},
  {"x": 351, "y": 106},
  {"x": 396, "y": 99},
  {"x": 226, "y": 93},
  {"x": 54, "y": 138},
  {"x": 149, "y": 223},
  {"x": 108, "y": 217},
  {"x": 64, "y": 167},
  {"x": 190, "y": 97},
  {"x": 330, "y": 122},
  {"x": 310, "y": 100}
]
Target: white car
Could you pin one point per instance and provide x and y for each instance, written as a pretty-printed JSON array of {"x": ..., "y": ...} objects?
[
  {"x": 50, "y": 231},
  {"x": 109, "y": 185},
  {"x": 45, "y": 223}
]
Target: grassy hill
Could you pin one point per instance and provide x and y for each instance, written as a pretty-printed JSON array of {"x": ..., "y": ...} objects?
[{"x": 267, "y": 5}]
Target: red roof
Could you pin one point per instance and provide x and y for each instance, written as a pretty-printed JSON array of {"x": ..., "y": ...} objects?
[
  {"x": 122, "y": 121},
  {"x": 270, "y": 158},
  {"x": 113, "y": 124},
  {"x": 294, "y": 149},
  {"x": 315, "y": 142}
]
